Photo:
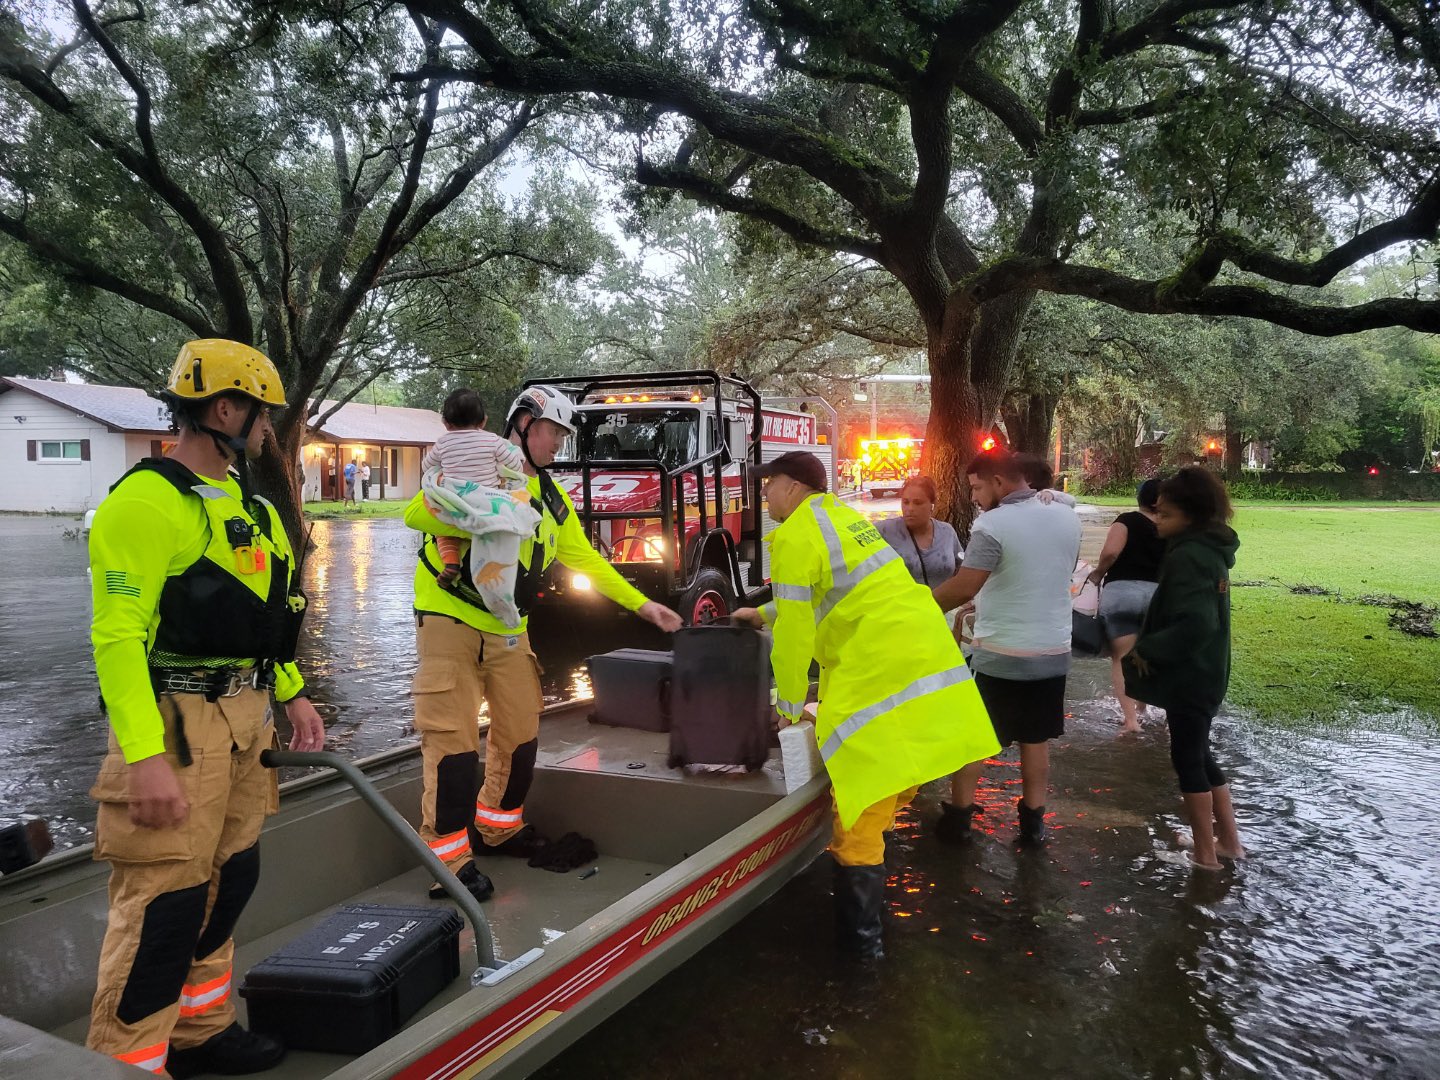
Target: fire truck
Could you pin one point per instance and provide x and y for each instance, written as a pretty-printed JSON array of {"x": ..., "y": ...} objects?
[
  {"x": 660, "y": 474},
  {"x": 885, "y": 465}
]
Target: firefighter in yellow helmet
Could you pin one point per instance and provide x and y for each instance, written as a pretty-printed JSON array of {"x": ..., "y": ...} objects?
[
  {"x": 197, "y": 613},
  {"x": 843, "y": 597}
]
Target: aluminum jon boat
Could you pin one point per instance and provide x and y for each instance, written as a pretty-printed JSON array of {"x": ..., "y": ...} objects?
[{"x": 682, "y": 859}]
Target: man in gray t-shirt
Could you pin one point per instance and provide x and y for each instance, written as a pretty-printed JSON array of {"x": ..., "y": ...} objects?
[{"x": 1017, "y": 568}]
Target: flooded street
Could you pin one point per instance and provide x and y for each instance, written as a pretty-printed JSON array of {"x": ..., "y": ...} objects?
[{"x": 1097, "y": 956}]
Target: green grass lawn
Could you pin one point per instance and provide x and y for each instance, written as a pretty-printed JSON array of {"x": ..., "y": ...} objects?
[
  {"x": 375, "y": 508},
  {"x": 1329, "y": 658}
]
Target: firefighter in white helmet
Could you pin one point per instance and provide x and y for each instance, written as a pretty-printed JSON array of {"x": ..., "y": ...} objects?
[{"x": 467, "y": 655}]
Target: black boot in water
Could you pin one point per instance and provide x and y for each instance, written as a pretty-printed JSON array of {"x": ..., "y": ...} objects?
[
  {"x": 234, "y": 1052},
  {"x": 859, "y": 899},
  {"x": 1032, "y": 824},
  {"x": 955, "y": 824}
]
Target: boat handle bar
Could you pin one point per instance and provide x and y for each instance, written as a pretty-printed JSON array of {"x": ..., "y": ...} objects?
[{"x": 323, "y": 759}]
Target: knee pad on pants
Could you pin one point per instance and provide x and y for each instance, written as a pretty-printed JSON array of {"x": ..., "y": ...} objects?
[
  {"x": 239, "y": 875},
  {"x": 457, "y": 783},
  {"x": 522, "y": 772},
  {"x": 168, "y": 934}
]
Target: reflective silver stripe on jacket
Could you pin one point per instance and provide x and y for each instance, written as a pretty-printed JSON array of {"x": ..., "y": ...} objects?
[
  {"x": 843, "y": 580},
  {"x": 791, "y": 592},
  {"x": 210, "y": 491},
  {"x": 789, "y": 708},
  {"x": 919, "y": 688}
]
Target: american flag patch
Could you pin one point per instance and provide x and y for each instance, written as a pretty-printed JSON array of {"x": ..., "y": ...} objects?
[{"x": 118, "y": 583}]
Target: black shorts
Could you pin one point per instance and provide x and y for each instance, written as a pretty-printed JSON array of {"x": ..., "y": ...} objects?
[{"x": 1032, "y": 711}]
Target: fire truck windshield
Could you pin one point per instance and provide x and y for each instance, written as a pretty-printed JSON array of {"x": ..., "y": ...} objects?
[{"x": 670, "y": 436}]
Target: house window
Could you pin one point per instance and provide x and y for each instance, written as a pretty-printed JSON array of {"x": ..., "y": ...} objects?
[{"x": 68, "y": 450}]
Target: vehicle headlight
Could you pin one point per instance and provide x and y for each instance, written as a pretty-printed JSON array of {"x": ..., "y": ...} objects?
[{"x": 580, "y": 582}]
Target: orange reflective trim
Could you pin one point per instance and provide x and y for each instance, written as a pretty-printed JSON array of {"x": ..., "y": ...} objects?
[
  {"x": 195, "y": 1000},
  {"x": 499, "y": 819},
  {"x": 149, "y": 1058},
  {"x": 453, "y": 844}
]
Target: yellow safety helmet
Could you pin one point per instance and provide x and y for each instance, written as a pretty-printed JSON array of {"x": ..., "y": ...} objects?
[{"x": 213, "y": 366}]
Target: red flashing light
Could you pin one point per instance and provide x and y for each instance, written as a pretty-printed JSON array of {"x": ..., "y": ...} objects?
[
  {"x": 1373, "y": 471},
  {"x": 987, "y": 444}
]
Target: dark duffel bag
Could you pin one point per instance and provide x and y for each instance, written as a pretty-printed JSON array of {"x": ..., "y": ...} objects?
[
  {"x": 632, "y": 689},
  {"x": 1087, "y": 634},
  {"x": 720, "y": 711}
]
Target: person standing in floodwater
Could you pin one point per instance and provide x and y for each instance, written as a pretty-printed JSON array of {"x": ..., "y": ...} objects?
[{"x": 1181, "y": 661}]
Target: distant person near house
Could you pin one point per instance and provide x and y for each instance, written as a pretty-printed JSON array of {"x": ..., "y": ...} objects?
[
  {"x": 350, "y": 478},
  {"x": 365, "y": 481}
]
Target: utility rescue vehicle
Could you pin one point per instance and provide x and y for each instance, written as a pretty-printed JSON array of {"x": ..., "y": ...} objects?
[
  {"x": 885, "y": 465},
  {"x": 659, "y": 471}
]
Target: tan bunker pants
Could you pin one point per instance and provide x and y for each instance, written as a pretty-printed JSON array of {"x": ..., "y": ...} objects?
[
  {"x": 175, "y": 894},
  {"x": 461, "y": 667}
]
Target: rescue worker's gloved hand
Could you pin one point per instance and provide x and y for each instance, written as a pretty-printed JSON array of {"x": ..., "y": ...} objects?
[
  {"x": 661, "y": 616},
  {"x": 748, "y": 616}
]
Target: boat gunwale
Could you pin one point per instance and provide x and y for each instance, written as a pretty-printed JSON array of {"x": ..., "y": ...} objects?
[{"x": 460, "y": 1015}]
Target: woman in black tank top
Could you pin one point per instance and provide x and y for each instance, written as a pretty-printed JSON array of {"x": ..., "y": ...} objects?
[{"x": 1129, "y": 567}]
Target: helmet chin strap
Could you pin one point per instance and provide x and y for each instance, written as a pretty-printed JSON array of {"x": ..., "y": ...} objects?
[
  {"x": 234, "y": 446},
  {"x": 524, "y": 433}
]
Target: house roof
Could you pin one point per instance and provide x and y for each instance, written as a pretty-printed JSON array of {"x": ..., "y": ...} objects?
[
  {"x": 355, "y": 422},
  {"x": 119, "y": 408},
  {"x": 125, "y": 409}
]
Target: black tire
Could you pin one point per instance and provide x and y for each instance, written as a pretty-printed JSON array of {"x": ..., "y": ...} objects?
[{"x": 710, "y": 598}]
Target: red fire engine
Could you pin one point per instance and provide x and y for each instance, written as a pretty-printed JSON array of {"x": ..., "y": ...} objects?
[{"x": 659, "y": 472}]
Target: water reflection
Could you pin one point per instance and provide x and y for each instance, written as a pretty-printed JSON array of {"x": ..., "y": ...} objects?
[{"x": 357, "y": 652}]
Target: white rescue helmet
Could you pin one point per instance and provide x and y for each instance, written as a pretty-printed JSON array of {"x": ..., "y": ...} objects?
[{"x": 543, "y": 403}]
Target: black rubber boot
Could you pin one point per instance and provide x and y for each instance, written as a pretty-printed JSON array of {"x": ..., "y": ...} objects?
[
  {"x": 1032, "y": 824},
  {"x": 469, "y": 875},
  {"x": 954, "y": 826},
  {"x": 859, "y": 898},
  {"x": 522, "y": 844},
  {"x": 234, "y": 1052}
]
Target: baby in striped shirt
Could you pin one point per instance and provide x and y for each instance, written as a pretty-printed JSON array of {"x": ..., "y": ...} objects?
[{"x": 467, "y": 455}]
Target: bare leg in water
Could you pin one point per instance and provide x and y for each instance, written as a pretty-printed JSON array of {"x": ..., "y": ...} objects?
[
  {"x": 1034, "y": 775},
  {"x": 1129, "y": 707},
  {"x": 1227, "y": 836}
]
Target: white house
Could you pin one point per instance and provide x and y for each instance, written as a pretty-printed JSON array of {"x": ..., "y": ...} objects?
[{"x": 63, "y": 444}]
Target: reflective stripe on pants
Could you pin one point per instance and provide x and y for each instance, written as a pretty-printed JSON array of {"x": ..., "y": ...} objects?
[{"x": 150, "y": 1058}]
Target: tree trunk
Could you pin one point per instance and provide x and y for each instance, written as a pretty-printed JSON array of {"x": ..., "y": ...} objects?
[
  {"x": 1234, "y": 447},
  {"x": 278, "y": 476},
  {"x": 1029, "y": 420}
]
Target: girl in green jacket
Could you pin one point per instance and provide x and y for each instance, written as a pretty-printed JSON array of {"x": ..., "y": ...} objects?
[{"x": 1181, "y": 661}]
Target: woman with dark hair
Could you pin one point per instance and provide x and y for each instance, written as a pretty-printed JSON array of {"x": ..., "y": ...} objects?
[
  {"x": 931, "y": 549},
  {"x": 1181, "y": 661},
  {"x": 1128, "y": 568}
]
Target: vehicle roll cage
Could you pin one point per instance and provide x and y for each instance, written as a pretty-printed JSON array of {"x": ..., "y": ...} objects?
[{"x": 708, "y": 468}]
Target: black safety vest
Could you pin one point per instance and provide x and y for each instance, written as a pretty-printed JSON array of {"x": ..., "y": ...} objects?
[{"x": 225, "y": 604}]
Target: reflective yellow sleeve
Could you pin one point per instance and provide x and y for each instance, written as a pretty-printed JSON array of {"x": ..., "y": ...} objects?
[
  {"x": 794, "y": 577},
  {"x": 132, "y": 541},
  {"x": 419, "y": 518},
  {"x": 574, "y": 550},
  {"x": 288, "y": 682}
]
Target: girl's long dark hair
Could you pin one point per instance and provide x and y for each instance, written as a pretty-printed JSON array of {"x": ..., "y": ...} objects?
[{"x": 1198, "y": 494}]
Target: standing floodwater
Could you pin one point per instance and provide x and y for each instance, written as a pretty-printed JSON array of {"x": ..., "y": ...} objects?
[
  {"x": 357, "y": 654},
  {"x": 1094, "y": 957}
]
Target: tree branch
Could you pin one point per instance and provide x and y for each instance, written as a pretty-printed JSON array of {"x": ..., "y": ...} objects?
[
  {"x": 1158, "y": 298},
  {"x": 87, "y": 272}
]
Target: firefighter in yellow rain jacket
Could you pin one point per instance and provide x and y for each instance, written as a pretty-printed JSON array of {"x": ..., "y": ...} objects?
[
  {"x": 897, "y": 704},
  {"x": 197, "y": 614}
]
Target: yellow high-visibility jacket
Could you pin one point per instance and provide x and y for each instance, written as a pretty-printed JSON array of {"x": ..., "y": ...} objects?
[{"x": 898, "y": 706}]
